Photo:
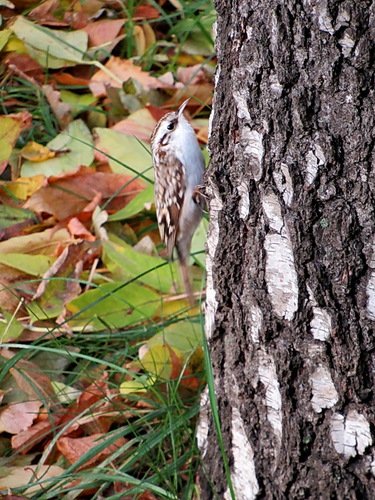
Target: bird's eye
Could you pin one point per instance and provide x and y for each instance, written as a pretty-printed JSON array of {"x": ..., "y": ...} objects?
[{"x": 170, "y": 126}]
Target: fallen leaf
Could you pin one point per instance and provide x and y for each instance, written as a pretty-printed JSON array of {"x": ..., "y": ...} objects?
[
  {"x": 13, "y": 215},
  {"x": 18, "y": 417},
  {"x": 10, "y": 328},
  {"x": 125, "y": 154},
  {"x": 126, "y": 263},
  {"x": 51, "y": 48},
  {"x": 35, "y": 152},
  {"x": 44, "y": 13},
  {"x": 145, "y": 12},
  {"x": 43, "y": 243},
  {"x": 11, "y": 126},
  {"x": 4, "y": 37},
  {"x": 193, "y": 75},
  {"x": 139, "y": 124},
  {"x": 121, "y": 70},
  {"x": 75, "y": 146},
  {"x": 78, "y": 103},
  {"x": 143, "y": 201},
  {"x": 25, "y": 65},
  {"x": 113, "y": 305},
  {"x": 21, "y": 476},
  {"x": 61, "y": 110},
  {"x": 52, "y": 294},
  {"x": 103, "y": 31},
  {"x": 76, "y": 228},
  {"x": 26, "y": 440},
  {"x": 67, "y": 196},
  {"x": 34, "y": 265},
  {"x": 75, "y": 448}
]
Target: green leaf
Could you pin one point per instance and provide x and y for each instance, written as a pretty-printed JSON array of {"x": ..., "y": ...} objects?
[
  {"x": 124, "y": 262},
  {"x": 141, "y": 202},
  {"x": 158, "y": 361},
  {"x": 12, "y": 215},
  {"x": 125, "y": 151},
  {"x": 139, "y": 384},
  {"x": 4, "y": 37},
  {"x": 51, "y": 48},
  {"x": 114, "y": 307},
  {"x": 184, "y": 336},
  {"x": 77, "y": 102},
  {"x": 10, "y": 327},
  {"x": 199, "y": 242},
  {"x": 76, "y": 146},
  {"x": 35, "y": 265}
]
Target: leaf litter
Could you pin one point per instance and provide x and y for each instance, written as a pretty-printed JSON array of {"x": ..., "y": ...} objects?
[{"x": 83, "y": 85}]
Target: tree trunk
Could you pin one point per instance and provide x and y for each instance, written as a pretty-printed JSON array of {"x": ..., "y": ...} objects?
[{"x": 291, "y": 251}]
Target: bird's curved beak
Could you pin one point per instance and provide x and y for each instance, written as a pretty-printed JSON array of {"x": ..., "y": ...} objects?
[{"x": 183, "y": 106}]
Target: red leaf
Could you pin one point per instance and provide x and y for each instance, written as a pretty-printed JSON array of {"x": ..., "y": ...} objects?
[
  {"x": 74, "y": 448},
  {"x": 18, "y": 417}
]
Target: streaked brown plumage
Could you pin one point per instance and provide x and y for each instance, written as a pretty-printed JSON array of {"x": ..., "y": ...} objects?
[{"x": 179, "y": 166}]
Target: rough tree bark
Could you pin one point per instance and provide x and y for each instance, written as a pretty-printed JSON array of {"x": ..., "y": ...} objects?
[{"x": 291, "y": 250}]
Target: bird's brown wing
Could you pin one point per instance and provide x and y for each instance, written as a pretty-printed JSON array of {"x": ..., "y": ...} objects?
[{"x": 169, "y": 198}]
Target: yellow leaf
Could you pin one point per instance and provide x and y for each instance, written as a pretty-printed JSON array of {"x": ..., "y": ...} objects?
[
  {"x": 24, "y": 187},
  {"x": 140, "y": 40},
  {"x": 15, "y": 45},
  {"x": 36, "y": 152},
  {"x": 10, "y": 128}
]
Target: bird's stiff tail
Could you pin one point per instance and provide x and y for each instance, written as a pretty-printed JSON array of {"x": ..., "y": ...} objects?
[{"x": 186, "y": 280}]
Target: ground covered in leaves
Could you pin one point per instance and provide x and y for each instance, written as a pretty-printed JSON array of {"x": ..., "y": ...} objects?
[{"x": 101, "y": 356}]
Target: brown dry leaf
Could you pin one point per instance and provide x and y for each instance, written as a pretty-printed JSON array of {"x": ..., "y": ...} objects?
[
  {"x": 69, "y": 195},
  {"x": 97, "y": 392},
  {"x": 74, "y": 448},
  {"x": 53, "y": 295},
  {"x": 23, "y": 64},
  {"x": 145, "y": 12},
  {"x": 30, "y": 378},
  {"x": 122, "y": 70},
  {"x": 190, "y": 75},
  {"x": 139, "y": 124},
  {"x": 26, "y": 440},
  {"x": 44, "y": 13},
  {"x": 68, "y": 79},
  {"x": 101, "y": 32},
  {"x": 200, "y": 94},
  {"x": 76, "y": 228},
  {"x": 18, "y": 417},
  {"x": 21, "y": 476},
  {"x": 61, "y": 110},
  {"x": 44, "y": 243}
]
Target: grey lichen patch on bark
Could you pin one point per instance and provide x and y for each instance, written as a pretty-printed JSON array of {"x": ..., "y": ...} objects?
[
  {"x": 256, "y": 322},
  {"x": 323, "y": 389},
  {"x": 203, "y": 424},
  {"x": 370, "y": 289},
  {"x": 324, "y": 19},
  {"x": 350, "y": 434},
  {"x": 284, "y": 184},
  {"x": 347, "y": 43},
  {"x": 244, "y": 478},
  {"x": 244, "y": 204},
  {"x": 321, "y": 324},
  {"x": 216, "y": 206},
  {"x": 268, "y": 377},
  {"x": 281, "y": 276},
  {"x": 315, "y": 159}
]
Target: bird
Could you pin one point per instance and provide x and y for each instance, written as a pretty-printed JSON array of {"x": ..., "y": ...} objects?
[{"x": 179, "y": 167}]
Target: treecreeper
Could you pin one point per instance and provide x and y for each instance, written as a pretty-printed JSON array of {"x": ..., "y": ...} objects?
[{"x": 179, "y": 167}]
